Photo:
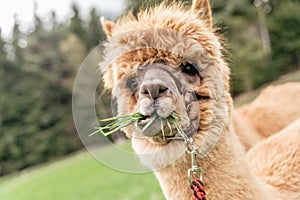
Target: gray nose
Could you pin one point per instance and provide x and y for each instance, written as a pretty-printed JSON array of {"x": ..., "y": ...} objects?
[{"x": 153, "y": 90}]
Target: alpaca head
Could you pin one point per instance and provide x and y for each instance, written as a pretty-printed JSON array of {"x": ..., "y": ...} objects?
[{"x": 168, "y": 59}]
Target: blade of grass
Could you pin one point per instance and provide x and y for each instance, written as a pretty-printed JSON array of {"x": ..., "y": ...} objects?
[
  {"x": 119, "y": 123},
  {"x": 116, "y": 123},
  {"x": 135, "y": 116},
  {"x": 125, "y": 120},
  {"x": 118, "y": 128},
  {"x": 177, "y": 116},
  {"x": 170, "y": 127},
  {"x": 162, "y": 127},
  {"x": 149, "y": 123},
  {"x": 114, "y": 118},
  {"x": 175, "y": 138},
  {"x": 180, "y": 131},
  {"x": 93, "y": 133}
]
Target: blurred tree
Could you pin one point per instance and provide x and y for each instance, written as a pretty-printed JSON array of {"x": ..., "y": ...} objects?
[
  {"x": 36, "y": 19},
  {"x": 36, "y": 120},
  {"x": 284, "y": 23},
  {"x": 2, "y": 60},
  {"x": 77, "y": 24},
  {"x": 73, "y": 52},
  {"x": 57, "y": 75},
  {"x": 95, "y": 35},
  {"x": 248, "y": 59},
  {"x": 54, "y": 22},
  {"x": 2, "y": 44},
  {"x": 263, "y": 8},
  {"x": 17, "y": 54}
]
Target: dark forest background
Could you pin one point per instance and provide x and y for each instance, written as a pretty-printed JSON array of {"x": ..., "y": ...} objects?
[{"x": 38, "y": 67}]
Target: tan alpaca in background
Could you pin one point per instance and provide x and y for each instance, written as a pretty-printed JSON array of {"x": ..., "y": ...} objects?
[
  {"x": 228, "y": 173},
  {"x": 276, "y": 107},
  {"x": 277, "y": 158}
]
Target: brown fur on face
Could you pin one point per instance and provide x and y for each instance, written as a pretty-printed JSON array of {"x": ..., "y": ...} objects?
[
  {"x": 172, "y": 35},
  {"x": 182, "y": 37},
  {"x": 178, "y": 21}
]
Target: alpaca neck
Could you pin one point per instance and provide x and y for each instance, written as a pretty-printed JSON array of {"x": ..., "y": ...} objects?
[{"x": 226, "y": 174}]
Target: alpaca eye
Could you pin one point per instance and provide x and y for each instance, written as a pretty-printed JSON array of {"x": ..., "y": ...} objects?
[
  {"x": 132, "y": 84},
  {"x": 189, "y": 69}
]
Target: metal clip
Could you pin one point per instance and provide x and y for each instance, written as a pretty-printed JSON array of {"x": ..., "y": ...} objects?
[{"x": 194, "y": 169}]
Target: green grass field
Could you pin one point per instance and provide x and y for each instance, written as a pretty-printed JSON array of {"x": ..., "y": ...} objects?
[{"x": 78, "y": 177}]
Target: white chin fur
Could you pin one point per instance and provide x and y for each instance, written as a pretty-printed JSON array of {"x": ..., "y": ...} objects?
[{"x": 157, "y": 156}]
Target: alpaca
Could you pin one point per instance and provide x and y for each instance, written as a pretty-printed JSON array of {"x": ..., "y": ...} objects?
[
  {"x": 276, "y": 164},
  {"x": 245, "y": 130},
  {"x": 151, "y": 65},
  {"x": 275, "y": 108}
]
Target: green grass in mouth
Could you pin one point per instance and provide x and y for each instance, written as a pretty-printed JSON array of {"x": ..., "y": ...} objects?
[{"x": 120, "y": 122}]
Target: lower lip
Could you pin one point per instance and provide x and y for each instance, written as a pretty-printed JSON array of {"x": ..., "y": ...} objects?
[{"x": 152, "y": 129}]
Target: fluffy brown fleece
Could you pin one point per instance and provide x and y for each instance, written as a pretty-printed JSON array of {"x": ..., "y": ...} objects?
[
  {"x": 276, "y": 161},
  {"x": 227, "y": 173},
  {"x": 276, "y": 107}
]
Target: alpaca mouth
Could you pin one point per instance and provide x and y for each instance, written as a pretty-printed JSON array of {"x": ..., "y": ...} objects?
[
  {"x": 149, "y": 125},
  {"x": 144, "y": 120},
  {"x": 158, "y": 129}
]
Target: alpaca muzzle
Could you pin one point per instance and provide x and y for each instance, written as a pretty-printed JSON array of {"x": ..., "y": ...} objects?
[
  {"x": 155, "y": 97},
  {"x": 162, "y": 91}
]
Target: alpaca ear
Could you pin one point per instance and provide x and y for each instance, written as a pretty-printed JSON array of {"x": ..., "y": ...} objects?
[
  {"x": 203, "y": 8},
  {"x": 107, "y": 26}
]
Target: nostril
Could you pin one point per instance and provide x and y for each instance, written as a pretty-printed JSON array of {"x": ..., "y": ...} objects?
[
  {"x": 145, "y": 92},
  {"x": 153, "y": 91},
  {"x": 162, "y": 90}
]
